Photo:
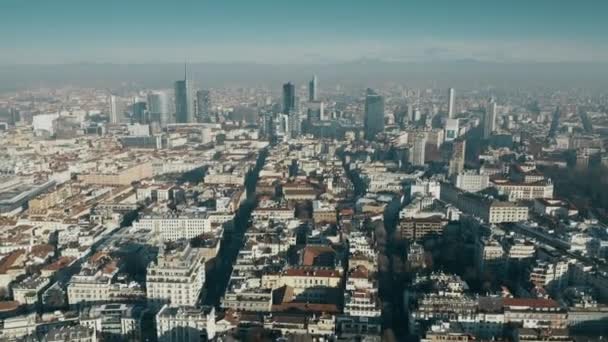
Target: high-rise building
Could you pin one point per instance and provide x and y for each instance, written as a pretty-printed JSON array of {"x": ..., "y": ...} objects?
[
  {"x": 489, "y": 120},
  {"x": 457, "y": 158},
  {"x": 140, "y": 112},
  {"x": 289, "y": 98},
  {"x": 158, "y": 106},
  {"x": 312, "y": 89},
  {"x": 418, "y": 150},
  {"x": 401, "y": 115},
  {"x": 452, "y": 128},
  {"x": 203, "y": 105},
  {"x": 184, "y": 111},
  {"x": 316, "y": 111},
  {"x": 112, "y": 110},
  {"x": 451, "y": 103},
  {"x": 374, "y": 114},
  {"x": 290, "y": 107}
]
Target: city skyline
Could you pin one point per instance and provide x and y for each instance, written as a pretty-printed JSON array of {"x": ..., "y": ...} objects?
[{"x": 269, "y": 170}]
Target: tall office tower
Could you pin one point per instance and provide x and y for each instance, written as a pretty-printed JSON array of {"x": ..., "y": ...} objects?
[
  {"x": 456, "y": 163},
  {"x": 281, "y": 130},
  {"x": 316, "y": 111},
  {"x": 112, "y": 110},
  {"x": 451, "y": 129},
  {"x": 312, "y": 89},
  {"x": 418, "y": 150},
  {"x": 266, "y": 129},
  {"x": 184, "y": 113},
  {"x": 203, "y": 105},
  {"x": 158, "y": 106},
  {"x": 140, "y": 112},
  {"x": 374, "y": 114},
  {"x": 401, "y": 115},
  {"x": 451, "y": 103},
  {"x": 410, "y": 113},
  {"x": 289, "y": 98},
  {"x": 489, "y": 120},
  {"x": 290, "y": 107}
]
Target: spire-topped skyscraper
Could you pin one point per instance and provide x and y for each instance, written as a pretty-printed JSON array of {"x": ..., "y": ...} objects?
[{"x": 184, "y": 111}]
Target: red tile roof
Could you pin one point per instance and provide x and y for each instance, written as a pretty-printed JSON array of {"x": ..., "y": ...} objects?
[
  {"x": 312, "y": 272},
  {"x": 530, "y": 302}
]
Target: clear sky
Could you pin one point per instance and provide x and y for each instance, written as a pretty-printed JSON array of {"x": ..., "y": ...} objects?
[{"x": 302, "y": 31}]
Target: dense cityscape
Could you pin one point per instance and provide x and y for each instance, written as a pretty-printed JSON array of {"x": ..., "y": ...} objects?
[
  {"x": 337, "y": 170},
  {"x": 254, "y": 214}
]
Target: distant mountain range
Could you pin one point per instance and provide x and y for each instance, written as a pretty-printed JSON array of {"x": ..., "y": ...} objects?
[{"x": 365, "y": 72}]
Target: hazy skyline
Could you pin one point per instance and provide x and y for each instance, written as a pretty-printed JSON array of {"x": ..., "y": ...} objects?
[{"x": 278, "y": 32}]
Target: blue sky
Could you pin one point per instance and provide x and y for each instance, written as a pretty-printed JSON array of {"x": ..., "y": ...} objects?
[{"x": 312, "y": 31}]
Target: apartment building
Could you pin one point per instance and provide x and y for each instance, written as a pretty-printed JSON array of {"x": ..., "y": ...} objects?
[{"x": 177, "y": 277}]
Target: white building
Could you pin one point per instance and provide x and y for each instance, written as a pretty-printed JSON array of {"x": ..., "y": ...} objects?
[
  {"x": 185, "y": 324},
  {"x": 430, "y": 188},
  {"x": 418, "y": 150},
  {"x": 173, "y": 227},
  {"x": 177, "y": 276},
  {"x": 115, "y": 319},
  {"x": 472, "y": 182},
  {"x": 45, "y": 123},
  {"x": 452, "y": 129}
]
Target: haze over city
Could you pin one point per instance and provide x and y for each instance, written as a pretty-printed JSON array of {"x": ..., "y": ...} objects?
[{"x": 303, "y": 171}]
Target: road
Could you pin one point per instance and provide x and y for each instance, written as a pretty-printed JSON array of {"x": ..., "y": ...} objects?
[{"x": 217, "y": 278}]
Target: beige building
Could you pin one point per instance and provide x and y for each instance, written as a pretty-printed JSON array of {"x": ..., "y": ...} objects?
[
  {"x": 524, "y": 191},
  {"x": 535, "y": 313},
  {"x": 50, "y": 199},
  {"x": 506, "y": 212},
  {"x": 309, "y": 283},
  {"x": 123, "y": 176}
]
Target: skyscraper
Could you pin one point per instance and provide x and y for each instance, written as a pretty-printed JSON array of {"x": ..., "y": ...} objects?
[
  {"x": 316, "y": 111},
  {"x": 290, "y": 107},
  {"x": 112, "y": 110},
  {"x": 451, "y": 103},
  {"x": 312, "y": 89},
  {"x": 451, "y": 129},
  {"x": 489, "y": 120},
  {"x": 289, "y": 98},
  {"x": 457, "y": 157},
  {"x": 184, "y": 113},
  {"x": 158, "y": 107},
  {"x": 203, "y": 105},
  {"x": 418, "y": 150},
  {"x": 140, "y": 112},
  {"x": 374, "y": 114}
]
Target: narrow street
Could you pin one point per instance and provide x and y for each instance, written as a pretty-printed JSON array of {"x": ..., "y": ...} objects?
[{"x": 217, "y": 278}]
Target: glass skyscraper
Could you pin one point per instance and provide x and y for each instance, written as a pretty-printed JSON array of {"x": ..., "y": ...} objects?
[
  {"x": 184, "y": 111},
  {"x": 158, "y": 106},
  {"x": 312, "y": 89},
  {"x": 289, "y": 98},
  {"x": 374, "y": 114},
  {"x": 203, "y": 105}
]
